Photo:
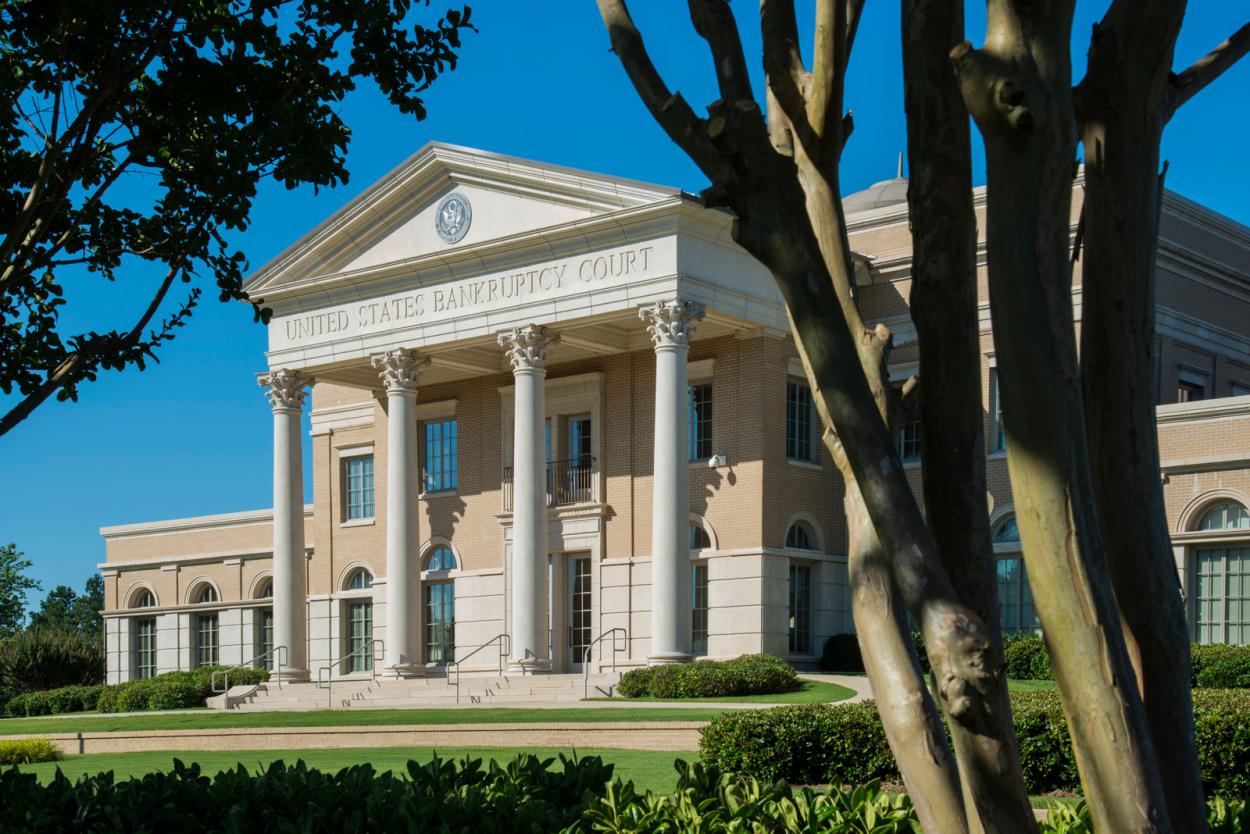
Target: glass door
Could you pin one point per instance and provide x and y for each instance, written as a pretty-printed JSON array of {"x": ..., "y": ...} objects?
[
  {"x": 579, "y": 608},
  {"x": 440, "y": 623}
]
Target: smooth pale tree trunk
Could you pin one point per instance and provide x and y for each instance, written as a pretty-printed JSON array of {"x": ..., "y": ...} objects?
[
  {"x": 943, "y": 304},
  {"x": 1018, "y": 89},
  {"x": 1120, "y": 107}
]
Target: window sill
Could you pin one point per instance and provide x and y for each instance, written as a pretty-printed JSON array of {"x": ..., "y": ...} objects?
[
  {"x": 999, "y": 454},
  {"x": 442, "y": 493},
  {"x": 806, "y": 464},
  {"x": 358, "y": 522},
  {"x": 911, "y": 464}
]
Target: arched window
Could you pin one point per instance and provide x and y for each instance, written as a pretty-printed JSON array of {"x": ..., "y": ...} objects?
[
  {"x": 266, "y": 590},
  {"x": 143, "y": 637},
  {"x": 1225, "y": 515},
  {"x": 206, "y": 593},
  {"x": 1006, "y": 532},
  {"x": 361, "y": 580},
  {"x": 441, "y": 558},
  {"x": 143, "y": 599},
  {"x": 800, "y": 536},
  {"x": 699, "y": 538}
]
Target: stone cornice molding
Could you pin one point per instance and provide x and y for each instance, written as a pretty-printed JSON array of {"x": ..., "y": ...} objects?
[
  {"x": 285, "y": 388},
  {"x": 527, "y": 347},
  {"x": 672, "y": 323},
  {"x": 399, "y": 368}
]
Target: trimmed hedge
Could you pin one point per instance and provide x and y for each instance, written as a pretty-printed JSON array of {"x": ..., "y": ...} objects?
[
  {"x": 28, "y": 751},
  {"x": 518, "y": 797},
  {"x": 751, "y": 674},
  {"x": 816, "y": 744},
  {"x": 1025, "y": 658},
  {"x": 172, "y": 690}
]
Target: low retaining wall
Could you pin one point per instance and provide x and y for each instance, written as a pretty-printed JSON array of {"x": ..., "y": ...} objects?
[{"x": 662, "y": 736}]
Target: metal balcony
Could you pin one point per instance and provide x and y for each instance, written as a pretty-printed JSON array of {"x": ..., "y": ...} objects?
[{"x": 569, "y": 481}]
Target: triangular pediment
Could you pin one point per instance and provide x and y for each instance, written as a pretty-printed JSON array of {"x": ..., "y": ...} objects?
[{"x": 396, "y": 219}]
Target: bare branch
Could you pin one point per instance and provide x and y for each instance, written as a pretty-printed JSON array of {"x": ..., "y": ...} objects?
[
  {"x": 784, "y": 74},
  {"x": 1206, "y": 69},
  {"x": 824, "y": 97},
  {"x": 714, "y": 21},
  {"x": 854, "y": 11},
  {"x": 667, "y": 108}
]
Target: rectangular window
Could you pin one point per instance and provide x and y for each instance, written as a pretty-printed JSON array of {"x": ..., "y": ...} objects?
[
  {"x": 360, "y": 636},
  {"x": 206, "y": 645},
  {"x": 909, "y": 442},
  {"x": 358, "y": 474},
  {"x": 1236, "y": 389},
  {"x": 700, "y": 415},
  {"x": 1015, "y": 601},
  {"x": 440, "y": 622},
  {"x": 264, "y": 637},
  {"x": 800, "y": 609},
  {"x": 999, "y": 437},
  {"x": 144, "y": 636},
  {"x": 799, "y": 444},
  {"x": 698, "y": 607},
  {"x": 1188, "y": 391},
  {"x": 1222, "y": 601},
  {"x": 441, "y": 456}
]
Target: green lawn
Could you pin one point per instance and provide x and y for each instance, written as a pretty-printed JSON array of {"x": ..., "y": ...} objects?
[
  {"x": 646, "y": 768},
  {"x": 209, "y": 719},
  {"x": 1029, "y": 686},
  {"x": 812, "y": 692}
]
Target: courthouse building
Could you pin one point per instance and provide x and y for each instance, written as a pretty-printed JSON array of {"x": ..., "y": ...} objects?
[{"x": 554, "y": 411}]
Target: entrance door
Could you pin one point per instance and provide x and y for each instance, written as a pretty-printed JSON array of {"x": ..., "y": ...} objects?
[{"x": 579, "y": 603}]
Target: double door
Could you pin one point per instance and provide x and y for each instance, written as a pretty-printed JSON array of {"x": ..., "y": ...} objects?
[{"x": 572, "y": 611}]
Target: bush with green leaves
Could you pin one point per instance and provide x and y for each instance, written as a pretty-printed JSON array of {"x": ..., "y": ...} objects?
[
  {"x": 752, "y": 674},
  {"x": 28, "y": 751},
  {"x": 845, "y": 744},
  {"x": 38, "y": 659},
  {"x": 1220, "y": 666},
  {"x": 1025, "y": 658},
  {"x": 56, "y": 701},
  {"x": 172, "y": 690}
]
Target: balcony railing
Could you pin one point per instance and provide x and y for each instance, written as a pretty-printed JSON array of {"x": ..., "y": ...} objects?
[{"x": 569, "y": 481}]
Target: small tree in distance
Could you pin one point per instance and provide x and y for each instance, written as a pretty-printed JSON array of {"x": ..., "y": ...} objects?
[
  {"x": 15, "y": 585},
  {"x": 773, "y": 161}
]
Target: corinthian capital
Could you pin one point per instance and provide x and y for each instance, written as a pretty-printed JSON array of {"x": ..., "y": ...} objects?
[
  {"x": 399, "y": 368},
  {"x": 671, "y": 323},
  {"x": 527, "y": 347},
  {"x": 284, "y": 388}
]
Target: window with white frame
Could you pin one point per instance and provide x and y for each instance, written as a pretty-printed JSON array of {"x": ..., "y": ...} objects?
[
  {"x": 801, "y": 536},
  {"x": 1222, "y": 578},
  {"x": 799, "y": 422},
  {"x": 699, "y": 538},
  {"x": 207, "y": 644},
  {"x": 264, "y": 628},
  {"x": 358, "y": 623},
  {"x": 143, "y": 646},
  {"x": 698, "y": 607},
  {"x": 440, "y": 608},
  {"x": 441, "y": 455},
  {"x": 700, "y": 421},
  {"x": 1016, "y": 611},
  {"x": 800, "y": 609},
  {"x": 358, "y": 485},
  {"x": 909, "y": 442}
]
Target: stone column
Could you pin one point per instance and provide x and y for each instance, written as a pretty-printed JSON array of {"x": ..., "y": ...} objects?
[
  {"x": 527, "y": 349},
  {"x": 670, "y": 324},
  {"x": 399, "y": 370},
  {"x": 285, "y": 390}
]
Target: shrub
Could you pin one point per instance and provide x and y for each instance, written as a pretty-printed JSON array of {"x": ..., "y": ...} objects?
[
  {"x": 1025, "y": 658},
  {"x": 752, "y": 674},
  {"x": 38, "y": 659},
  {"x": 172, "y": 690},
  {"x": 28, "y": 751},
  {"x": 1220, "y": 666},
  {"x": 846, "y": 744},
  {"x": 842, "y": 654},
  {"x": 56, "y": 701}
]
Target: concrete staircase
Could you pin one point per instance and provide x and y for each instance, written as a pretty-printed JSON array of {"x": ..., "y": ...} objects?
[{"x": 417, "y": 693}]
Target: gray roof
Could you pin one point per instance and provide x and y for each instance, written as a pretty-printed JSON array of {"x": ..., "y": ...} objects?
[{"x": 878, "y": 195}]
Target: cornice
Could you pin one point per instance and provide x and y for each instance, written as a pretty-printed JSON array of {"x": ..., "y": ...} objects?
[
  {"x": 201, "y": 522},
  {"x": 1217, "y": 409}
]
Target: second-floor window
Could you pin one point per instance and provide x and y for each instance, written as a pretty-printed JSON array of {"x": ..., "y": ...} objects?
[
  {"x": 1190, "y": 388},
  {"x": 441, "y": 457},
  {"x": 358, "y": 475},
  {"x": 799, "y": 444},
  {"x": 909, "y": 442},
  {"x": 700, "y": 416}
]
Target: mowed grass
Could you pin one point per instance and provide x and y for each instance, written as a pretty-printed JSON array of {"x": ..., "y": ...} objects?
[
  {"x": 210, "y": 719},
  {"x": 1029, "y": 686},
  {"x": 647, "y": 769},
  {"x": 812, "y": 692}
]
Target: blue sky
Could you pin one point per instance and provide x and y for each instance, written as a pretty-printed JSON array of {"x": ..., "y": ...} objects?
[{"x": 192, "y": 435}]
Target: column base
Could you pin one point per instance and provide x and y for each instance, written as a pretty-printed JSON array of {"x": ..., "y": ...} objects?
[
  {"x": 667, "y": 658},
  {"x": 530, "y": 666},
  {"x": 289, "y": 675},
  {"x": 402, "y": 670}
]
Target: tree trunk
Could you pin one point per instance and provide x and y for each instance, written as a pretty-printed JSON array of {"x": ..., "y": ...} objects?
[
  {"x": 1018, "y": 89},
  {"x": 1121, "y": 124},
  {"x": 943, "y": 304}
]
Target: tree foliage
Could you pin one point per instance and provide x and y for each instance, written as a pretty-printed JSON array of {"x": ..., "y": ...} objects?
[
  {"x": 14, "y": 587},
  {"x": 65, "y": 610},
  {"x": 136, "y": 131}
]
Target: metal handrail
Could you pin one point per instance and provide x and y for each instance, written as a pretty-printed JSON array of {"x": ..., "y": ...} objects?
[
  {"x": 505, "y": 647},
  {"x": 378, "y": 647},
  {"x": 621, "y": 646},
  {"x": 279, "y": 657}
]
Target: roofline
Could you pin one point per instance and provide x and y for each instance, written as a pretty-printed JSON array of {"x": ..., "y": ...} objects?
[{"x": 198, "y": 522}]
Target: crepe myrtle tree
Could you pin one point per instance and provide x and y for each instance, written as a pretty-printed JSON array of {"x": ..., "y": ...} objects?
[
  {"x": 772, "y": 160},
  {"x": 137, "y": 131}
]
